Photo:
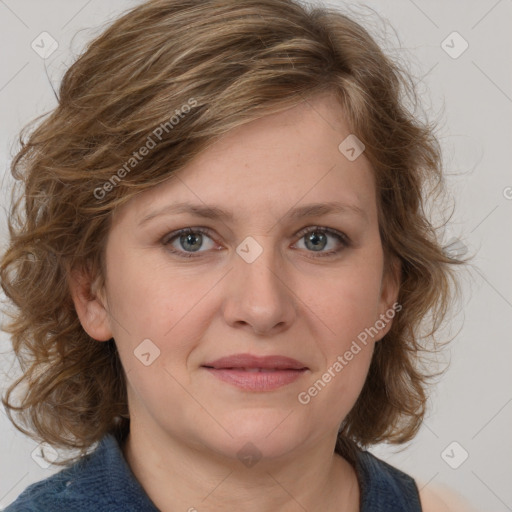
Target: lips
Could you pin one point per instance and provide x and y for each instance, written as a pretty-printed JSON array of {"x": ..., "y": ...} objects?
[
  {"x": 254, "y": 373},
  {"x": 249, "y": 362}
]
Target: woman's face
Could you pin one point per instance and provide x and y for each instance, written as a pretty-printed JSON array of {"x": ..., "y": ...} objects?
[{"x": 262, "y": 278}]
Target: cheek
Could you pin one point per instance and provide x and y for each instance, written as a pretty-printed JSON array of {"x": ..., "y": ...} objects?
[
  {"x": 146, "y": 300},
  {"x": 348, "y": 310},
  {"x": 332, "y": 391},
  {"x": 157, "y": 321},
  {"x": 346, "y": 305}
]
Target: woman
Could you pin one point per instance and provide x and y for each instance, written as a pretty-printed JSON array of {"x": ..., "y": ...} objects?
[{"x": 220, "y": 266}]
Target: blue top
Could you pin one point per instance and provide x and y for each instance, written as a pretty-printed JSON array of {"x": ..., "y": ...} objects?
[{"x": 102, "y": 481}]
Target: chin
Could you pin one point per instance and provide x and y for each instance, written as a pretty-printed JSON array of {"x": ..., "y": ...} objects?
[{"x": 260, "y": 433}]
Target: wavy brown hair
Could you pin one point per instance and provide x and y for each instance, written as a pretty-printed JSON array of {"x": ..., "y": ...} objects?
[{"x": 230, "y": 61}]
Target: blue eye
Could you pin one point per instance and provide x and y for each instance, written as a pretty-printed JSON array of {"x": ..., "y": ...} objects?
[
  {"x": 317, "y": 238},
  {"x": 191, "y": 240}
]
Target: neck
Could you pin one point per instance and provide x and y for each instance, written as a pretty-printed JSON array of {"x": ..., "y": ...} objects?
[{"x": 181, "y": 477}]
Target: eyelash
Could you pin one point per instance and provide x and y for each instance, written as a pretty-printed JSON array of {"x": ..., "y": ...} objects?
[{"x": 342, "y": 238}]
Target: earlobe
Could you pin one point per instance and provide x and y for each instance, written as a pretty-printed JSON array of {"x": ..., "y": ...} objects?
[{"x": 90, "y": 305}]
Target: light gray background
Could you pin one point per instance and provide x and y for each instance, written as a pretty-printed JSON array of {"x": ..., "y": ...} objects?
[{"x": 472, "y": 97}]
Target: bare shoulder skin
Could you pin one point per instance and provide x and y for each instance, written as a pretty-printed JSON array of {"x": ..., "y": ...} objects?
[{"x": 443, "y": 500}]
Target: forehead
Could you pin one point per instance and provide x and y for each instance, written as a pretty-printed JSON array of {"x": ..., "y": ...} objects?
[{"x": 270, "y": 165}]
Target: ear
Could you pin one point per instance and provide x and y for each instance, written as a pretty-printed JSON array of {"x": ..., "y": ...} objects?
[
  {"x": 90, "y": 304},
  {"x": 390, "y": 287}
]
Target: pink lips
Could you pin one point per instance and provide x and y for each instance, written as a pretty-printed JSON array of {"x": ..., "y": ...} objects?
[{"x": 255, "y": 373}]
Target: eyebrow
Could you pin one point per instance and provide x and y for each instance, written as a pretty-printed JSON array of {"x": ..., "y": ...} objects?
[{"x": 215, "y": 212}]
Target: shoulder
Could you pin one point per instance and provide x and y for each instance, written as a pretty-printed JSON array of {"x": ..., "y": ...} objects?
[
  {"x": 443, "y": 500},
  {"x": 100, "y": 481},
  {"x": 384, "y": 487},
  {"x": 432, "y": 501},
  {"x": 65, "y": 488},
  {"x": 44, "y": 493}
]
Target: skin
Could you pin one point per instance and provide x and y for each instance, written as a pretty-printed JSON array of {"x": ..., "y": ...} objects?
[
  {"x": 186, "y": 425},
  {"x": 442, "y": 499}
]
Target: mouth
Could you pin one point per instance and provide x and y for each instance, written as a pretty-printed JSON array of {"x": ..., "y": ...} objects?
[{"x": 254, "y": 373}]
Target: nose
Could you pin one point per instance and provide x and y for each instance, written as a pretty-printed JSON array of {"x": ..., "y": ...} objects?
[{"x": 260, "y": 293}]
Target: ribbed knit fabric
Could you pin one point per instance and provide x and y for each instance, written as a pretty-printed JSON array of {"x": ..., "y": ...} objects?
[
  {"x": 99, "y": 482},
  {"x": 385, "y": 488},
  {"x": 103, "y": 482}
]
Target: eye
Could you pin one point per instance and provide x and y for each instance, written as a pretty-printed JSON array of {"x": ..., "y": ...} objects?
[
  {"x": 187, "y": 242},
  {"x": 190, "y": 239},
  {"x": 316, "y": 239}
]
